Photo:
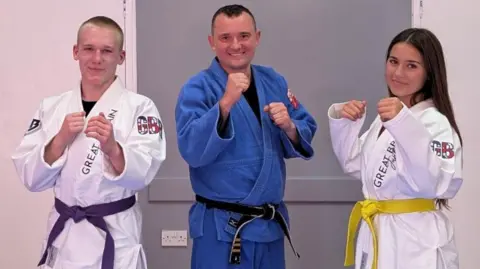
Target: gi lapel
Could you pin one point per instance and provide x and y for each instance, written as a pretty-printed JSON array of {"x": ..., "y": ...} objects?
[
  {"x": 107, "y": 102},
  {"x": 250, "y": 117},
  {"x": 254, "y": 197},
  {"x": 242, "y": 105},
  {"x": 422, "y": 106},
  {"x": 88, "y": 148},
  {"x": 373, "y": 150}
]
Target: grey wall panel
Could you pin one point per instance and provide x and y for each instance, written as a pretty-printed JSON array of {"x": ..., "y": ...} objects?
[
  {"x": 329, "y": 51},
  {"x": 297, "y": 190}
]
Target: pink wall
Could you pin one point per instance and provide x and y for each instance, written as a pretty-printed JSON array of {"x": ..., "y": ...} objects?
[
  {"x": 456, "y": 24},
  {"x": 36, "y": 39}
]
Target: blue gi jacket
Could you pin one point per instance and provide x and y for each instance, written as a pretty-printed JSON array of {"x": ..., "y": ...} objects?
[{"x": 246, "y": 164}]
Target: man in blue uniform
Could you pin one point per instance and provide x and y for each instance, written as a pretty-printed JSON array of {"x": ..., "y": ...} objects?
[{"x": 236, "y": 124}]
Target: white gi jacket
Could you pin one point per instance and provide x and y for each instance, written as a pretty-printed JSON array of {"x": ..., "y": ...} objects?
[
  {"x": 83, "y": 176},
  {"x": 417, "y": 156}
]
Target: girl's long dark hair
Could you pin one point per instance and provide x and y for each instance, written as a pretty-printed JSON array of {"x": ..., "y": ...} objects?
[{"x": 435, "y": 86}]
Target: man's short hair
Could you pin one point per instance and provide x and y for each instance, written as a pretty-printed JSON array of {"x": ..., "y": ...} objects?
[
  {"x": 232, "y": 11},
  {"x": 102, "y": 21}
]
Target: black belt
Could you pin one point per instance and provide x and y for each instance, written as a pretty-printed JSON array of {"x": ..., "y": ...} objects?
[{"x": 249, "y": 213}]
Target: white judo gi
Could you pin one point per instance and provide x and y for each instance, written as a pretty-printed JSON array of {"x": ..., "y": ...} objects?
[
  {"x": 417, "y": 156},
  {"x": 83, "y": 176}
]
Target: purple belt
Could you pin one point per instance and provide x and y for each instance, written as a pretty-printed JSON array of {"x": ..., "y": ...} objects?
[{"x": 93, "y": 214}]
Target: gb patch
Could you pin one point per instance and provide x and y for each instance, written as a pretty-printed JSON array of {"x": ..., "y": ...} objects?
[
  {"x": 292, "y": 98},
  {"x": 35, "y": 125},
  {"x": 149, "y": 125},
  {"x": 443, "y": 149}
]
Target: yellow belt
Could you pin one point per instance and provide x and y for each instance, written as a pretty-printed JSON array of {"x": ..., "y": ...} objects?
[{"x": 368, "y": 209}]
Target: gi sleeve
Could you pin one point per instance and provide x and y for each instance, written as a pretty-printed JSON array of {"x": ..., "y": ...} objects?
[
  {"x": 304, "y": 123},
  {"x": 198, "y": 137},
  {"x": 28, "y": 157},
  {"x": 144, "y": 150},
  {"x": 346, "y": 143},
  {"x": 431, "y": 154}
]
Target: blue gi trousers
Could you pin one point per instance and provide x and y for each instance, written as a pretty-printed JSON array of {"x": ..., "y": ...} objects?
[{"x": 210, "y": 253}]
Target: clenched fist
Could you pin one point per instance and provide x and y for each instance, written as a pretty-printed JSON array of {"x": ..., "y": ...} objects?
[
  {"x": 100, "y": 128},
  {"x": 279, "y": 114},
  {"x": 353, "y": 110},
  {"x": 237, "y": 83},
  {"x": 71, "y": 126},
  {"x": 388, "y": 108}
]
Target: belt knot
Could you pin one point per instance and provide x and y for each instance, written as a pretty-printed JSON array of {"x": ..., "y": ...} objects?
[
  {"x": 268, "y": 211},
  {"x": 78, "y": 214},
  {"x": 369, "y": 209}
]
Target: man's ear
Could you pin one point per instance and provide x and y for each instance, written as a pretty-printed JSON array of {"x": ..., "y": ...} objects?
[
  {"x": 122, "y": 57},
  {"x": 75, "y": 52},
  {"x": 211, "y": 42}
]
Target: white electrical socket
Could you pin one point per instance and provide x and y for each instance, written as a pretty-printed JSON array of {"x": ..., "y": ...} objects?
[{"x": 174, "y": 238}]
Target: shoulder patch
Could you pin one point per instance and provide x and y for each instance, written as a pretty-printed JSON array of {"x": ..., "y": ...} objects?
[
  {"x": 443, "y": 149},
  {"x": 35, "y": 125},
  {"x": 292, "y": 98},
  {"x": 149, "y": 125}
]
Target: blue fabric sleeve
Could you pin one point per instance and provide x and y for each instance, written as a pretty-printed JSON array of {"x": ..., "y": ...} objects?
[
  {"x": 197, "y": 122},
  {"x": 306, "y": 128}
]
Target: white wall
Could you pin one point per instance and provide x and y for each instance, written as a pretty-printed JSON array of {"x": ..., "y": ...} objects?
[
  {"x": 36, "y": 55},
  {"x": 36, "y": 43},
  {"x": 457, "y": 23}
]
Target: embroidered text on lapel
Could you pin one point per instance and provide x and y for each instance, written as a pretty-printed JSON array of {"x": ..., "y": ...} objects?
[
  {"x": 292, "y": 98},
  {"x": 111, "y": 115},
  {"x": 35, "y": 125},
  {"x": 95, "y": 148},
  {"x": 92, "y": 153},
  {"x": 389, "y": 161}
]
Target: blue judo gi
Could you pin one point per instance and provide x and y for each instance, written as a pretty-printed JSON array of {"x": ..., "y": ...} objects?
[{"x": 245, "y": 164}]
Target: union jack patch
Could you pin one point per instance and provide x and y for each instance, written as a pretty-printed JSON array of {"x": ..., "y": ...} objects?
[{"x": 292, "y": 98}]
